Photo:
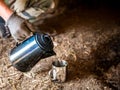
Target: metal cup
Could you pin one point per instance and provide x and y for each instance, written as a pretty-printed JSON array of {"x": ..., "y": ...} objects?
[{"x": 59, "y": 71}]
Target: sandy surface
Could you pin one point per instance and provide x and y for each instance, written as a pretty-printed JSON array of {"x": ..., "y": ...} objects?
[{"x": 88, "y": 38}]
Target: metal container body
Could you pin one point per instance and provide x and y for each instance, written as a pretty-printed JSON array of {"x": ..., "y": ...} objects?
[{"x": 27, "y": 54}]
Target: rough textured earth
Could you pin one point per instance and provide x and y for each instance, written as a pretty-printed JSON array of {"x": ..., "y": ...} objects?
[{"x": 88, "y": 38}]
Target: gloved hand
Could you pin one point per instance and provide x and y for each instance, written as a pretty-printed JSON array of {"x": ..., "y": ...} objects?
[{"x": 20, "y": 29}]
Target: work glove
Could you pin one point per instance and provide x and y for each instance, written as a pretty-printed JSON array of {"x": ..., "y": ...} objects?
[{"x": 20, "y": 29}]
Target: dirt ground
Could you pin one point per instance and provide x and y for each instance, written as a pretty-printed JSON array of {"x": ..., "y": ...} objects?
[{"x": 88, "y": 38}]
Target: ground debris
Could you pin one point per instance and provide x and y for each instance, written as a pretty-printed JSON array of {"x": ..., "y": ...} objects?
[{"x": 88, "y": 39}]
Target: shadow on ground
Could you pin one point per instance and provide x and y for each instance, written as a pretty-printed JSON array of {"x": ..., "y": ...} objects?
[{"x": 107, "y": 56}]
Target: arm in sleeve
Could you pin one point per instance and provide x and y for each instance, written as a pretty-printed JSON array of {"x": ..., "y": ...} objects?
[{"x": 5, "y": 11}]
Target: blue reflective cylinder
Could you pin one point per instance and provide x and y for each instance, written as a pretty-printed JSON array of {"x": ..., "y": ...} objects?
[{"x": 30, "y": 51}]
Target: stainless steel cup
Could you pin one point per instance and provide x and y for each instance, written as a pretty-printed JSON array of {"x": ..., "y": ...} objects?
[{"x": 58, "y": 72}]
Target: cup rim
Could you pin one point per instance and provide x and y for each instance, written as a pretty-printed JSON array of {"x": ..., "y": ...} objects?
[{"x": 64, "y": 64}]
